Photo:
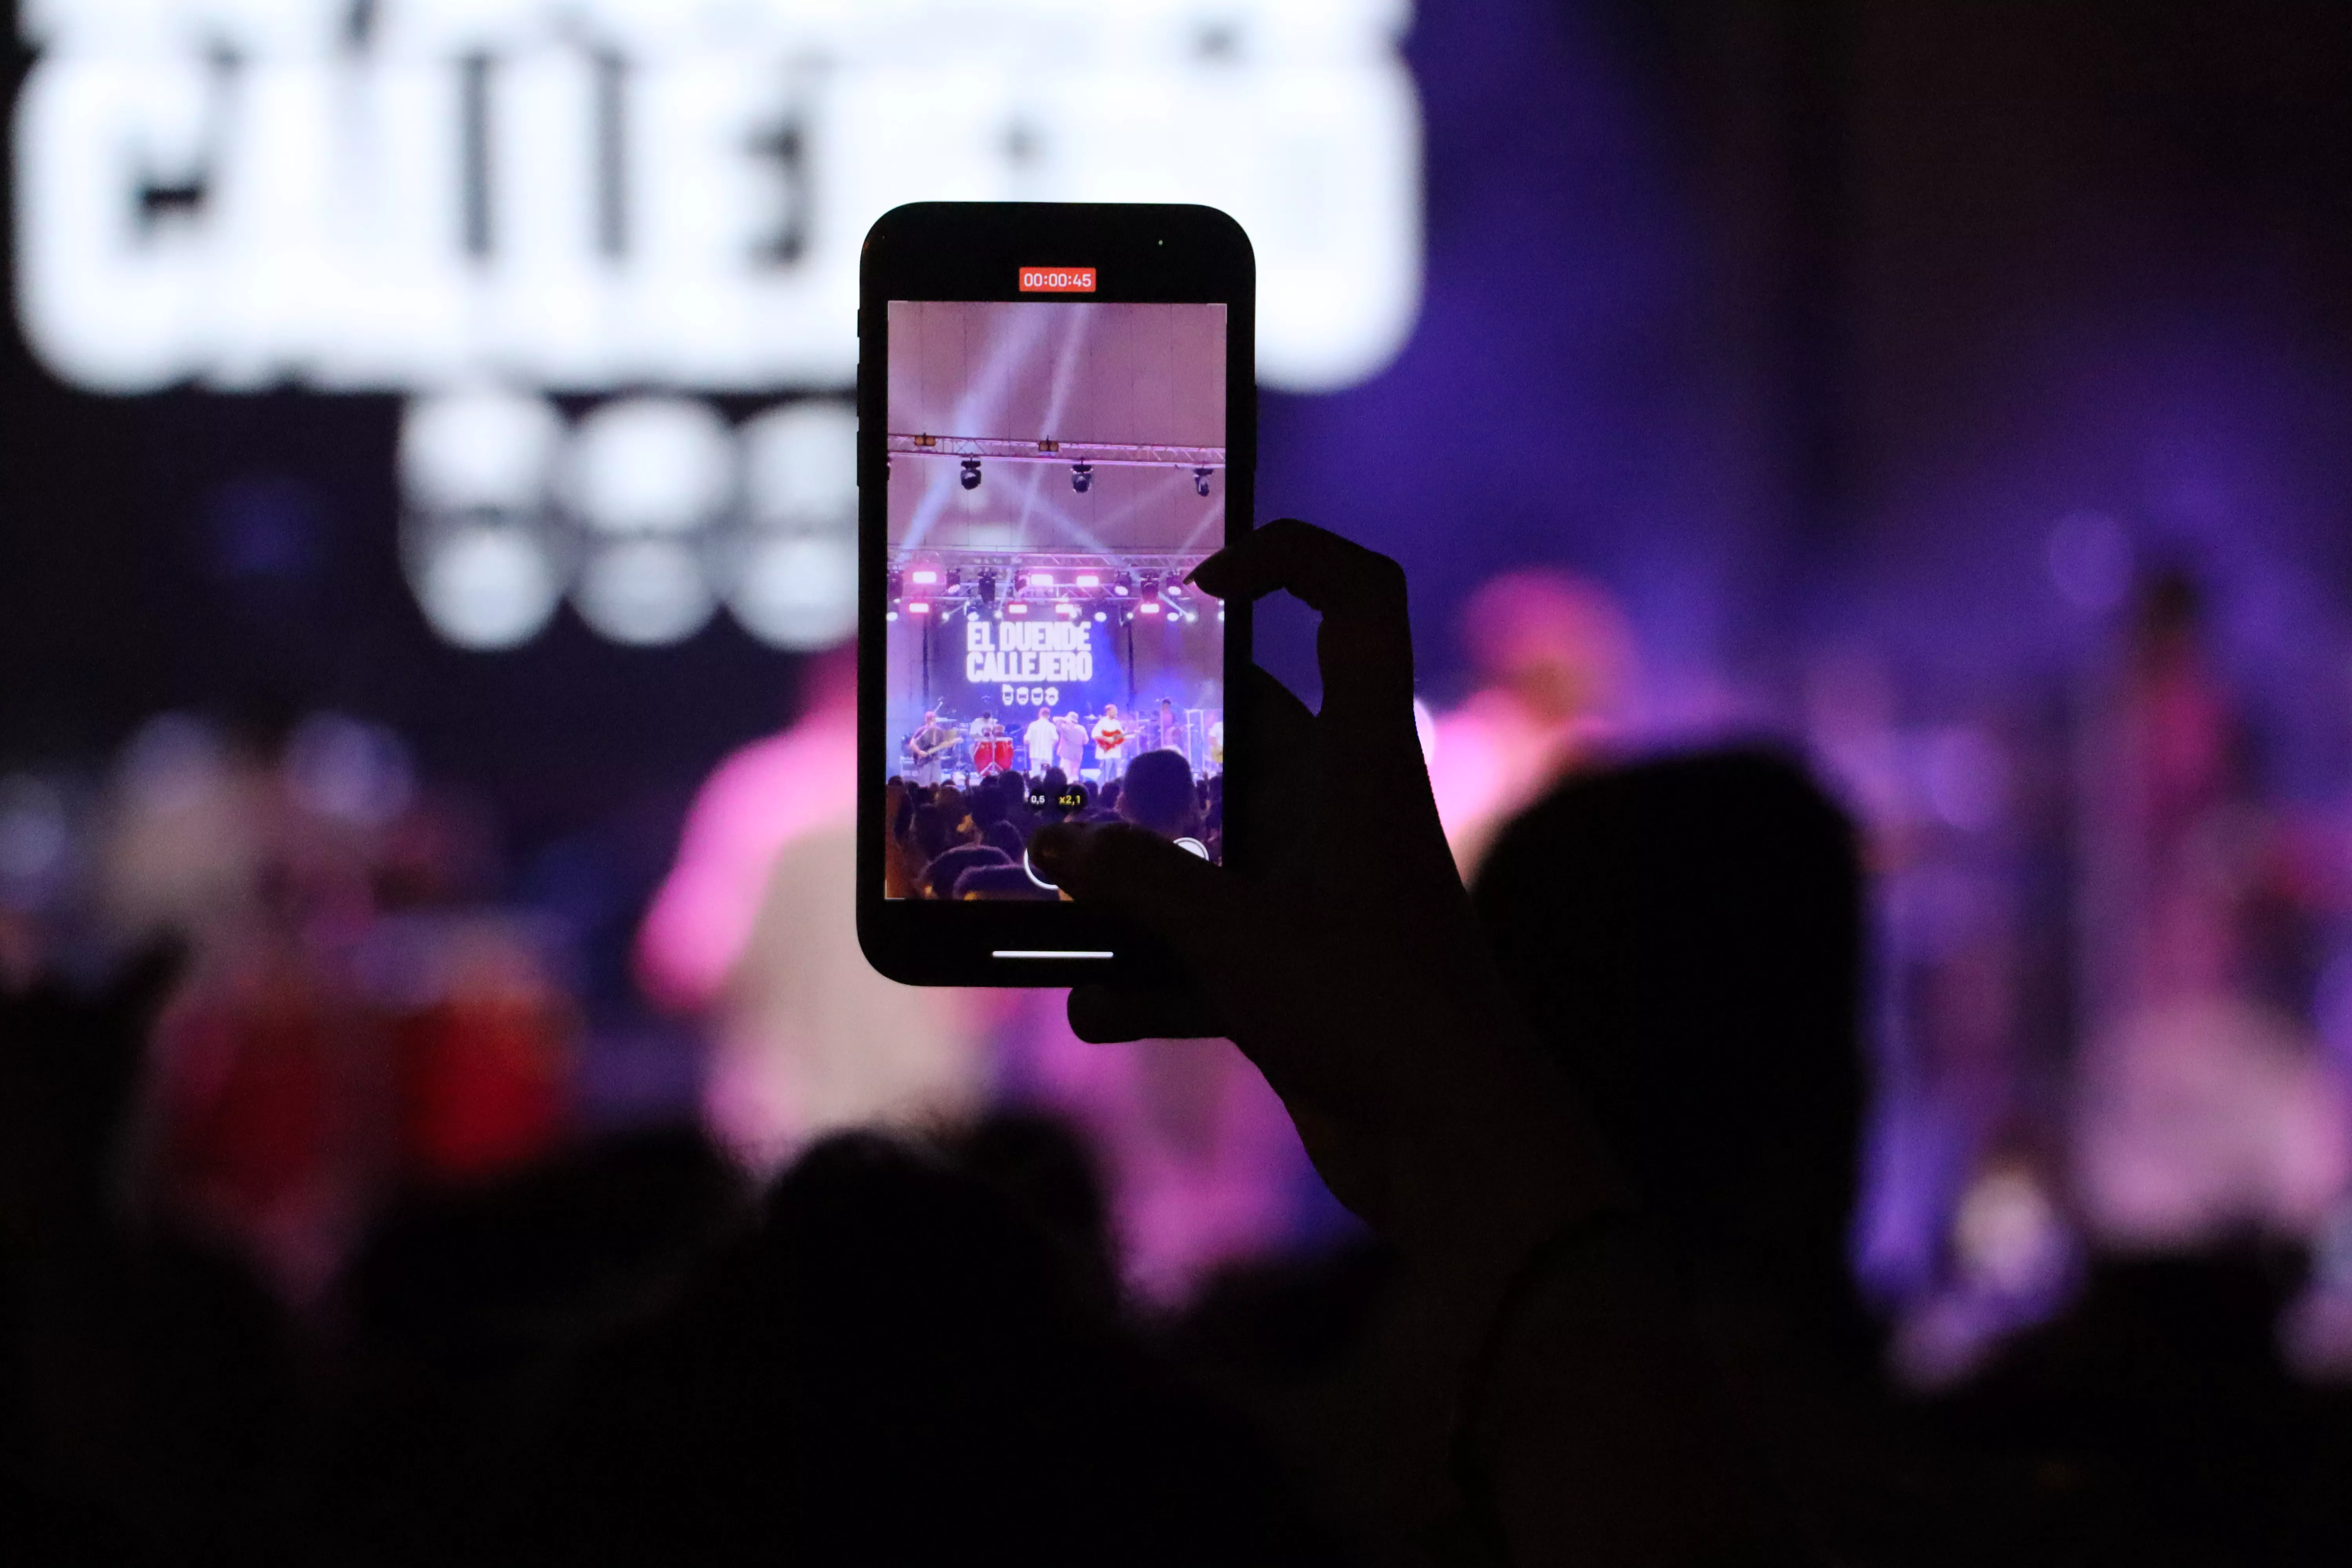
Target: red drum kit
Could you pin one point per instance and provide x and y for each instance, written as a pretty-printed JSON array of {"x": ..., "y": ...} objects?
[{"x": 991, "y": 755}]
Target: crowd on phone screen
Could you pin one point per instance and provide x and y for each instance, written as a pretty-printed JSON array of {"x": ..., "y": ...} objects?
[
  {"x": 969, "y": 842},
  {"x": 918, "y": 1348}
]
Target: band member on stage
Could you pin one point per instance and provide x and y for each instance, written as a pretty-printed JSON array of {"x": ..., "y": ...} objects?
[
  {"x": 1110, "y": 735},
  {"x": 926, "y": 746},
  {"x": 1169, "y": 734},
  {"x": 1070, "y": 749},
  {"x": 987, "y": 756},
  {"x": 1041, "y": 738}
]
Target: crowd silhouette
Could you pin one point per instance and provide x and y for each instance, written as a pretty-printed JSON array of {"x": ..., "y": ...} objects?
[{"x": 1599, "y": 1113}]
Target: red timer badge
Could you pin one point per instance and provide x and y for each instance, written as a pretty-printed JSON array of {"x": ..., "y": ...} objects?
[{"x": 1057, "y": 280}]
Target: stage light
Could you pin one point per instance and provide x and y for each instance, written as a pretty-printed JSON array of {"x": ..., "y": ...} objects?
[
  {"x": 644, "y": 592},
  {"x": 926, "y": 578},
  {"x": 1199, "y": 482},
  {"x": 1082, "y": 477},
  {"x": 489, "y": 587},
  {"x": 1101, "y": 617},
  {"x": 918, "y": 608},
  {"x": 1175, "y": 589},
  {"x": 1041, "y": 579},
  {"x": 987, "y": 586},
  {"x": 889, "y": 614},
  {"x": 795, "y": 591},
  {"x": 1017, "y": 607},
  {"x": 1088, "y": 579},
  {"x": 971, "y": 475},
  {"x": 1123, "y": 585},
  {"x": 1150, "y": 606},
  {"x": 1150, "y": 585},
  {"x": 1191, "y": 616}
]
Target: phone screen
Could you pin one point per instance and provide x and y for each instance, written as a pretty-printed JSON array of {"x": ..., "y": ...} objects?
[{"x": 1056, "y": 470}]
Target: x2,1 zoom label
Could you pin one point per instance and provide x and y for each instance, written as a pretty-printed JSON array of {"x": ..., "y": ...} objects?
[{"x": 1057, "y": 280}]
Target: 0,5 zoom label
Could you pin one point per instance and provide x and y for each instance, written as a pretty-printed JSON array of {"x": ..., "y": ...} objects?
[{"x": 1057, "y": 280}]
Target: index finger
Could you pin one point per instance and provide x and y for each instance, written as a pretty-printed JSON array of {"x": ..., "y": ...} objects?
[{"x": 1365, "y": 646}]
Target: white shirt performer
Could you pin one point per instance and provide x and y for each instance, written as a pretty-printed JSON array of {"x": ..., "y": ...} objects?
[
  {"x": 1110, "y": 734},
  {"x": 1041, "y": 738},
  {"x": 1072, "y": 750}
]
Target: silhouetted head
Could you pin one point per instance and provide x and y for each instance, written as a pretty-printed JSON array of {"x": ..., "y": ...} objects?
[
  {"x": 908, "y": 1362},
  {"x": 940, "y": 876},
  {"x": 1686, "y": 936},
  {"x": 1000, "y": 884},
  {"x": 1048, "y": 1173},
  {"x": 1156, "y": 793},
  {"x": 933, "y": 832}
]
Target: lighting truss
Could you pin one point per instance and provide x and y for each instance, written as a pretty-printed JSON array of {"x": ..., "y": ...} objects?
[{"x": 1099, "y": 454}]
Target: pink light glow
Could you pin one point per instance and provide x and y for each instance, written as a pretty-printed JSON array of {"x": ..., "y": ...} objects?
[
  {"x": 1088, "y": 580},
  {"x": 1041, "y": 579},
  {"x": 922, "y": 577},
  {"x": 918, "y": 608},
  {"x": 1151, "y": 607}
]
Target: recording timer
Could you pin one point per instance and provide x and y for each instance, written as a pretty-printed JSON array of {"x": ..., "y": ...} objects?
[{"x": 1057, "y": 280}]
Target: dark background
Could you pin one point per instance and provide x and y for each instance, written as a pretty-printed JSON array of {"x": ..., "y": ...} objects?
[{"x": 1799, "y": 324}]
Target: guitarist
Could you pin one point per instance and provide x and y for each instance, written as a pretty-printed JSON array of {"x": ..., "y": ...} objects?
[{"x": 926, "y": 745}]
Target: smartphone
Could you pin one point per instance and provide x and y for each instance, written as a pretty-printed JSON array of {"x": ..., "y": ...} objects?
[{"x": 1056, "y": 423}]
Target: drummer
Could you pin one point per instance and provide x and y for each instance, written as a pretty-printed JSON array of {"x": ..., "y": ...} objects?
[{"x": 987, "y": 758}]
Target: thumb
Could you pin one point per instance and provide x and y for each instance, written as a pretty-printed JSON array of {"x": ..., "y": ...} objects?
[{"x": 1122, "y": 870}]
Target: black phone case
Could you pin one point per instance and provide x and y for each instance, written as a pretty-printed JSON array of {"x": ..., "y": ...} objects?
[{"x": 974, "y": 251}]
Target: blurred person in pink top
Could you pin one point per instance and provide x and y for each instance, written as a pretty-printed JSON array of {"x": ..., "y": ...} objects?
[
  {"x": 755, "y": 929},
  {"x": 1556, "y": 664}
]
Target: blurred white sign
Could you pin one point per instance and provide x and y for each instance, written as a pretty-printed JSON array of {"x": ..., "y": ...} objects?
[{"x": 424, "y": 195}]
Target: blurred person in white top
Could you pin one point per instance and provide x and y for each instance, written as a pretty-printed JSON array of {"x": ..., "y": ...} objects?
[
  {"x": 755, "y": 929},
  {"x": 1556, "y": 665},
  {"x": 1042, "y": 736}
]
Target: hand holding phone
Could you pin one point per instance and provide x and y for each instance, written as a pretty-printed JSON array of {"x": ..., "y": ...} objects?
[{"x": 1351, "y": 969}]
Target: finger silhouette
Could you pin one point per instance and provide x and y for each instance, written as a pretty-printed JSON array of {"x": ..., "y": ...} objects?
[
  {"x": 1103, "y": 1014},
  {"x": 1129, "y": 872},
  {"x": 1365, "y": 646},
  {"x": 1271, "y": 799}
]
